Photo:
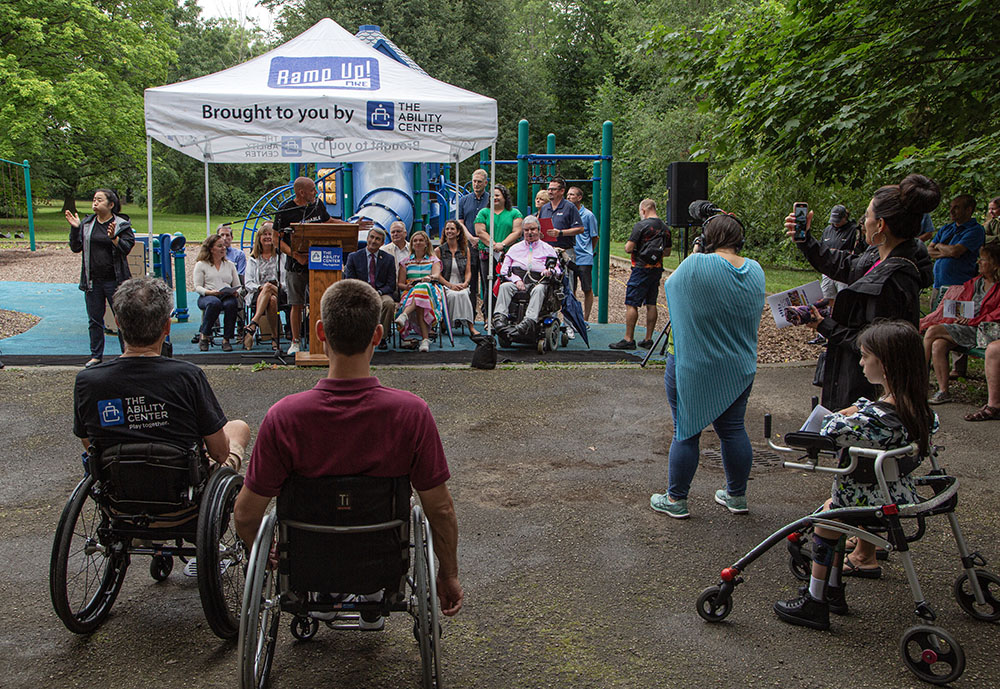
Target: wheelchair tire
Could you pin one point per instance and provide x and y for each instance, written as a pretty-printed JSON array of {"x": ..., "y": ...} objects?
[
  {"x": 989, "y": 583},
  {"x": 160, "y": 567},
  {"x": 221, "y": 554},
  {"x": 541, "y": 346},
  {"x": 552, "y": 338},
  {"x": 428, "y": 629},
  {"x": 304, "y": 628},
  {"x": 261, "y": 611},
  {"x": 711, "y": 608},
  {"x": 83, "y": 602},
  {"x": 932, "y": 654},
  {"x": 564, "y": 339}
]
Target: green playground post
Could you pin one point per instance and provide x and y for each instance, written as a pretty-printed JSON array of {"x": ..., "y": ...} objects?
[
  {"x": 347, "y": 179},
  {"x": 31, "y": 211},
  {"x": 595, "y": 208},
  {"x": 550, "y": 147},
  {"x": 522, "y": 168},
  {"x": 604, "y": 244},
  {"x": 484, "y": 158}
]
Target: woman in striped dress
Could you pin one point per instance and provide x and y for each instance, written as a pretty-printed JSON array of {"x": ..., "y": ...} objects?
[{"x": 423, "y": 303}]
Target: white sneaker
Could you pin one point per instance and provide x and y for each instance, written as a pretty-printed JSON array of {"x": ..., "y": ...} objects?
[
  {"x": 191, "y": 568},
  {"x": 293, "y": 348},
  {"x": 425, "y": 345},
  {"x": 401, "y": 320},
  {"x": 570, "y": 333}
]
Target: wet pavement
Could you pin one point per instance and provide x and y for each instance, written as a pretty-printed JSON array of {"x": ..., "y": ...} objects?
[{"x": 570, "y": 578}]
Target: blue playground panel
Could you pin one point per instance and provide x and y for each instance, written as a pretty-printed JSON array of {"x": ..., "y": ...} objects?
[{"x": 63, "y": 328}]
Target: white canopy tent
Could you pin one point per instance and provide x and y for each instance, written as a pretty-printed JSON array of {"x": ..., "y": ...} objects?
[{"x": 324, "y": 96}]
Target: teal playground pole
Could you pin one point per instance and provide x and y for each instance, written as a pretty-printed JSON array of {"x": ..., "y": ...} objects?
[
  {"x": 523, "y": 202},
  {"x": 180, "y": 284},
  {"x": 484, "y": 158},
  {"x": 31, "y": 211},
  {"x": 418, "y": 183},
  {"x": 595, "y": 208},
  {"x": 604, "y": 244},
  {"x": 550, "y": 147},
  {"x": 347, "y": 179}
]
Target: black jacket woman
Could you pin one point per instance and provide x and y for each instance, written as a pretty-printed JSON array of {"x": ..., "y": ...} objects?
[
  {"x": 883, "y": 282},
  {"x": 105, "y": 239}
]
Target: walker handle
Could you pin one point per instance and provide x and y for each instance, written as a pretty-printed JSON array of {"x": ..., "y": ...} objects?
[{"x": 767, "y": 425}]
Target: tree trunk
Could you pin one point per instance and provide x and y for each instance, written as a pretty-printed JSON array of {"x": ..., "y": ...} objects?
[{"x": 69, "y": 201}]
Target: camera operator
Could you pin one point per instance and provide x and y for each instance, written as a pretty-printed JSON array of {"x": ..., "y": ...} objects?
[
  {"x": 715, "y": 298},
  {"x": 883, "y": 282}
]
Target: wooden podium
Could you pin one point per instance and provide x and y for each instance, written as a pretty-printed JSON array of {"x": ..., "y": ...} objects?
[{"x": 305, "y": 236}]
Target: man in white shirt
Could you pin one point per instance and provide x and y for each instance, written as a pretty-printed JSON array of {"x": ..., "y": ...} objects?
[
  {"x": 397, "y": 246},
  {"x": 523, "y": 267}
]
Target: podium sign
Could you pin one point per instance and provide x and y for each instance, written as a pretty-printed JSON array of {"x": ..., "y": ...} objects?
[{"x": 326, "y": 258}]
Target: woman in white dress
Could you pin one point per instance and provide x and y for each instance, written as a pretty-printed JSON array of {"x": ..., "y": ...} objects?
[{"x": 456, "y": 271}]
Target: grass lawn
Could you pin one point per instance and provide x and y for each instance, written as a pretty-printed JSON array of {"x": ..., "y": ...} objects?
[
  {"x": 51, "y": 225},
  {"x": 777, "y": 279}
]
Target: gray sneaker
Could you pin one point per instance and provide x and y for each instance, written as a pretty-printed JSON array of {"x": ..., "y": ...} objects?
[
  {"x": 678, "y": 509},
  {"x": 939, "y": 397},
  {"x": 737, "y": 504}
]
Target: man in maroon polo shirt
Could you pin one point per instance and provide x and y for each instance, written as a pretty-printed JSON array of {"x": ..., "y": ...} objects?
[{"x": 348, "y": 424}]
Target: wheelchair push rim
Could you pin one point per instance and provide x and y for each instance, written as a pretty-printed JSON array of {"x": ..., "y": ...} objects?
[
  {"x": 260, "y": 611},
  {"x": 427, "y": 625},
  {"x": 87, "y": 568}
]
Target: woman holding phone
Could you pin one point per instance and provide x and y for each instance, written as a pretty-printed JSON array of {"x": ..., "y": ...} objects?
[
  {"x": 883, "y": 282},
  {"x": 105, "y": 238}
]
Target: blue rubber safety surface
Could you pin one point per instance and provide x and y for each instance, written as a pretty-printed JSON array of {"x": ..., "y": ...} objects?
[{"x": 62, "y": 332}]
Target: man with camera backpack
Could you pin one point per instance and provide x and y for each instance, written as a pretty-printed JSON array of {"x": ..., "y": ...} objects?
[{"x": 648, "y": 244}]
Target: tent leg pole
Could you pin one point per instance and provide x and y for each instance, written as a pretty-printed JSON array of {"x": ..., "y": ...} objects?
[
  {"x": 208, "y": 213},
  {"x": 488, "y": 317},
  {"x": 149, "y": 205}
]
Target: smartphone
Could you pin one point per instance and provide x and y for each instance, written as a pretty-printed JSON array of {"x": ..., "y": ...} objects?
[{"x": 801, "y": 210}]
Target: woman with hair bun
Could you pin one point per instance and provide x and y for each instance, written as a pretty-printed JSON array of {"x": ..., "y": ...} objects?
[
  {"x": 104, "y": 238},
  {"x": 883, "y": 282}
]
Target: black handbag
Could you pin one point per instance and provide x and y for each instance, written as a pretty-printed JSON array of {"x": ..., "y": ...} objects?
[
  {"x": 485, "y": 355},
  {"x": 818, "y": 373}
]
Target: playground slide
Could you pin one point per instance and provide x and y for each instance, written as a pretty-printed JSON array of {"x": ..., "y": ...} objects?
[{"x": 383, "y": 192}]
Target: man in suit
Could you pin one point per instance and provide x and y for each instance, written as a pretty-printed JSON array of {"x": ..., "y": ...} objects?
[{"x": 378, "y": 269}]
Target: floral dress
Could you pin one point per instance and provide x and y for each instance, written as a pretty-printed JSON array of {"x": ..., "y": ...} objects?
[{"x": 874, "y": 425}]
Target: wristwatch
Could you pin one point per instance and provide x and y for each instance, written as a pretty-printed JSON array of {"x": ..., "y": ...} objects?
[{"x": 560, "y": 234}]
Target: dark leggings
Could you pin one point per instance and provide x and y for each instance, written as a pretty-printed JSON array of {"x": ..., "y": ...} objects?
[
  {"x": 212, "y": 306},
  {"x": 96, "y": 299}
]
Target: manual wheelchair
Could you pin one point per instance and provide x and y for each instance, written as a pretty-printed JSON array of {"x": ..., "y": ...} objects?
[
  {"x": 548, "y": 334},
  {"x": 928, "y": 651},
  {"x": 147, "y": 499},
  {"x": 339, "y": 542}
]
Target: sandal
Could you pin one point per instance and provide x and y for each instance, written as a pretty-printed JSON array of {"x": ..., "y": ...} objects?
[
  {"x": 987, "y": 413},
  {"x": 248, "y": 334},
  {"x": 852, "y": 570},
  {"x": 852, "y": 543}
]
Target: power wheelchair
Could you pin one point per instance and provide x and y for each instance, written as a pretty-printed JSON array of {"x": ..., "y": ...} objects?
[
  {"x": 928, "y": 651},
  {"x": 338, "y": 540},
  {"x": 548, "y": 333},
  {"x": 147, "y": 499}
]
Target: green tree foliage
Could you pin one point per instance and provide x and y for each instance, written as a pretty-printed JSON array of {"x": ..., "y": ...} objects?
[{"x": 72, "y": 74}]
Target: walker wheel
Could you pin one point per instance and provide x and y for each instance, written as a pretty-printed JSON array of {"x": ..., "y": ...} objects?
[
  {"x": 160, "y": 567},
  {"x": 932, "y": 654},
  {"x": 713, "y": 606},
  {"x": 989, "y": 584},
  {"x": 304, "y": 628}
]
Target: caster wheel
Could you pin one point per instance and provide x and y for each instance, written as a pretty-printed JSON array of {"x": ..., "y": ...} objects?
[
  {"x": 801, "y": 567},
  {"x": 304, "y": 628},
  {"x": 990, "y": 586},
  {"x": 711, "y": 605},
  {"x": 541, "y": 347},
  {"x": 552, "y": 339},
  {"x": 932, "y": 654},
  {"x": 160, "y": 567},
  {"x": 564, "y": 339}
]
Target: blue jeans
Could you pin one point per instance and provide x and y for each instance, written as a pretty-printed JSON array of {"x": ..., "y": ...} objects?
[
  {"x": 96, "y": 299},
  {"x": 737, "y": 455},
  {"x": 213, "y": 306}
]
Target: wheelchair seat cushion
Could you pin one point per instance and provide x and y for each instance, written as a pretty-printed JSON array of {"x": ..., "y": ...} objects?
[
  {"x": 149, "y": 478},
  {"x": 344, "y": 562}
]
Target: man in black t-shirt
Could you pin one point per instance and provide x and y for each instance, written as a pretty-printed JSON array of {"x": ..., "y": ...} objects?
[
  {"x": 303, "y": 207},
  {"x": 643, "y": 285},
  {"x": 144, "y": 397}
]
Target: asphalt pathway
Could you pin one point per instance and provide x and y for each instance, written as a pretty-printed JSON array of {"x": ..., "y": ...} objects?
[{"x": 570, "y": 578}]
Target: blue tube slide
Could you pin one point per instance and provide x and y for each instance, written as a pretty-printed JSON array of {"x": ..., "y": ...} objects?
[{"x": 383, "y": 192}]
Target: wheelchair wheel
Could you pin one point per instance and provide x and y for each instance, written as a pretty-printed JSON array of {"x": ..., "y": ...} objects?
[
  {"x": 932, "y": 654},
  {"x": 425, "y": 591},
  {"x": 989, "y": 584},
  {"x": 304, "y": 628},
  {"x": 220, "y": 554},
  {"x": 160, "y": 567},
  {"x": 87, "y": 567},
  {"x": 541, "y": 346},
  {"x": 711, "y": 605},
  {"x": 564, "y": 339},
  {"x": 261, "y": 611},
  {"x": 552, "y": 338}
]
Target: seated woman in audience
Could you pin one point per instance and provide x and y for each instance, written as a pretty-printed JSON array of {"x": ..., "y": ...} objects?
[
  {"x": 946, "y": 334},
  {"x": 456, "y": 272},
  {"x": 422, "y": 303},
  {"x": 541, "y": 198},
  {"x": 261, "y": 281},
  {"x": 217, "y": 284}
]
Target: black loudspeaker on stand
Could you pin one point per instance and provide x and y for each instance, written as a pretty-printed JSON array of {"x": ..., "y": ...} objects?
[{"x": 687, "y": 182}]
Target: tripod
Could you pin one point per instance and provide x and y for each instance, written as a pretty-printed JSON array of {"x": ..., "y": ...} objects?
[{"x": 663, "y": 349}]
